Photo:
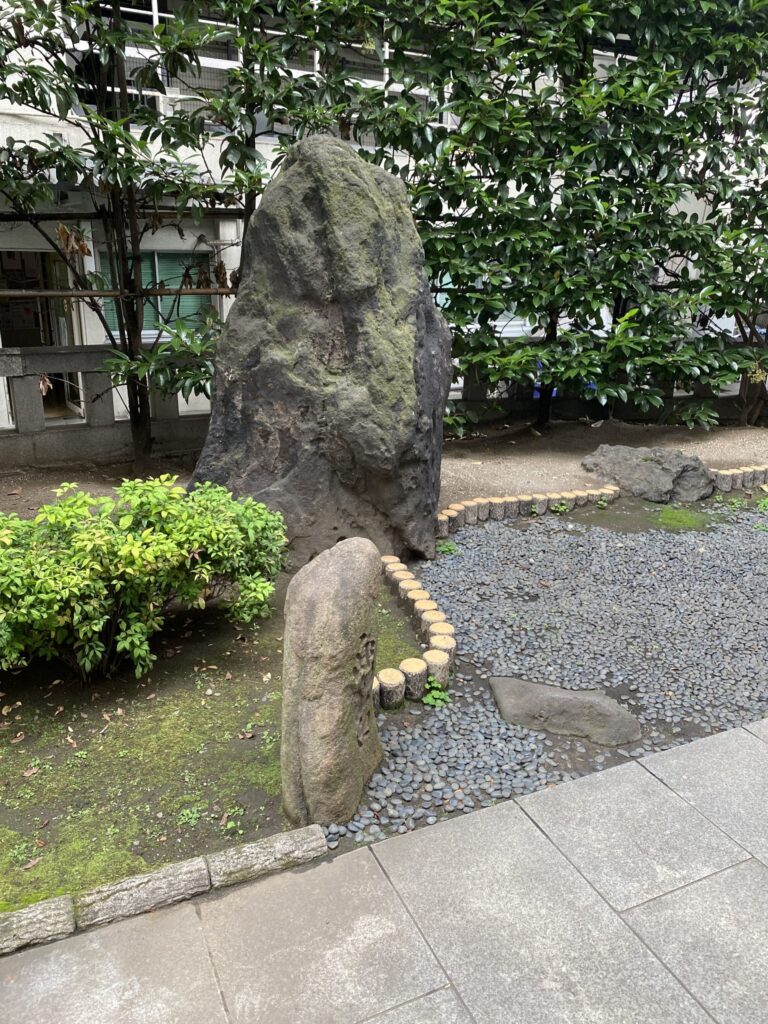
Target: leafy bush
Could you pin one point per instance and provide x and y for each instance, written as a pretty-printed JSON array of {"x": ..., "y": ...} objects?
[{"x": 90, "y": 579}]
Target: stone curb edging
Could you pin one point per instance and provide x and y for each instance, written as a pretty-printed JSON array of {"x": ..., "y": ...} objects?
[{"x": 60, "y": 916}]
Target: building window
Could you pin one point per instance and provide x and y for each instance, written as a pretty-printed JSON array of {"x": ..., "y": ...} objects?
[{"x": 170, "y": 270}]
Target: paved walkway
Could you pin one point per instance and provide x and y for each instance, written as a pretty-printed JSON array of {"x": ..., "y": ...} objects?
[{"x": 636, "y": 896}]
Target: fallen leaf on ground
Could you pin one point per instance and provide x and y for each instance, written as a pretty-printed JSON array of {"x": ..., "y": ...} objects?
[
  {"x": 44, "y": 823},
  {"x": 245, "y": 735},
  {"x": 228, "y": 675},
  {"x": 223, "y": 820},
  {"x": 58, "y": 710},
  {"x": 151, "y": 696},
  {"x": 6, "y": 710},
  {"x": 31, "y": 863},
  {"x": 18, "y": 737},
  {"x": 119, "y": 711},
  {"x": 30, "y": 772},
  {"x": 40, "y": 843},
  {"x": 15, "y": 491}
]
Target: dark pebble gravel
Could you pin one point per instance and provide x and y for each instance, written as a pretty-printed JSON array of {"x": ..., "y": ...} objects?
[{"x": 672, "y": 624}]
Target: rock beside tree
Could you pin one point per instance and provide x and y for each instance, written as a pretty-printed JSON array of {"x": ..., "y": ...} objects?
[
  {"x": 330, "y": 744},
  {"x": 333, "y": 370},
  {"x": 656, "y": 474}
]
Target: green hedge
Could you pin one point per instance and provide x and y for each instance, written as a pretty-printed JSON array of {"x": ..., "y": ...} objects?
[{"x": 90, "y": 580}]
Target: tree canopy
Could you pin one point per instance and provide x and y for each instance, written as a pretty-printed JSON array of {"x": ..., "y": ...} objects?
[{"x": 596, "y": 170}]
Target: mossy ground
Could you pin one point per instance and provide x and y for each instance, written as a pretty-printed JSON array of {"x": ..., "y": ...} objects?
[{"x": 114, "y": 779}]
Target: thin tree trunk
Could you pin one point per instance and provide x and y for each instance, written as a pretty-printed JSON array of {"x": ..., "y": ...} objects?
[
  {"x": 128, "y": 238},
  {"x": 546, "y": 390}
]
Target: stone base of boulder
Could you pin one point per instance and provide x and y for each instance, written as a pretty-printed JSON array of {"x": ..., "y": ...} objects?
[
  {"x": 656, "y": 474},
  {"x": 591, "y": 714}
]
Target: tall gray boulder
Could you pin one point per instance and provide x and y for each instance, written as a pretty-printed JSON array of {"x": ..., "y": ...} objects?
[
  {"x": 333, "y": 370},
  {"x": 330, "y": 745}
]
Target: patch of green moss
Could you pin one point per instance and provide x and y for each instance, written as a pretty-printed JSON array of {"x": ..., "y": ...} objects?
[
  {"x": 126, "y": 777},
  {"x": 676, "y": 517},
  {"x": 396, "y": 638}
]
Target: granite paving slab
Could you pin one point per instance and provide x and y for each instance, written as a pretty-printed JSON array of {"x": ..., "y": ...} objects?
[
  {"x": 332, "y": 943},
  {"x": 441, "y": 1007},
  {"x": 630, "y": 835},
  {"x": 522, "y": 936},
  {"x": 152, "y": 969},
  {"x": 725, "y": 777},
  {"x": 759, "y": 729},
  {"x": 714, "y": 936}
]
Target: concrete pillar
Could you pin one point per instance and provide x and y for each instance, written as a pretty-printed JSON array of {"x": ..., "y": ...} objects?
[
  {"x": 27, "y": 404},
  {"x": 164, "y": 408},
  {"x": 99, "y": 411}
]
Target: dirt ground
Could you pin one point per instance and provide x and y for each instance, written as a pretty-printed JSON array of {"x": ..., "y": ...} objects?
[
  {"x": 499, "y": 461},
  {"x": 514, "y": 460}
]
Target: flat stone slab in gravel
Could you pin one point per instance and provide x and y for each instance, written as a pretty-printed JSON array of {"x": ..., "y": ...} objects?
[
  {"x": 140, "y": 893},
  {"x": 42, "y": 922},
  {"x": 329, "y": 945},
  {"x": 588, "y": 713},
  {"x": 726, "y": 778},
  {"x": 629, "y": 835},
  {"x": 521, "y": 934},
  {"x": 714, "y": 936},
  {"x": 149, "y": 970}
]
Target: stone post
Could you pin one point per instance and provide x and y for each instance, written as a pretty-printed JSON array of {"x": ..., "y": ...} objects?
[{"x": 330, "y": 745}]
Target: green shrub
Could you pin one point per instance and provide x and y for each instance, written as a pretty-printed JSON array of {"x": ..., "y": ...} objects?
[{"x": 90, "y": 579}]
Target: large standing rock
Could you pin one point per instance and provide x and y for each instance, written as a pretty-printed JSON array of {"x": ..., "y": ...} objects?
[
  {"x": 333, "y": 370},
  {"x": 588, "y": 713},
  {"x": 330, "y": 746},
  {"x": 656, "y": 474}
]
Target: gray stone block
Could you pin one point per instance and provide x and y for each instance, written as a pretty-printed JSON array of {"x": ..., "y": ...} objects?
[
  {"x": 522, "y": 936},
  {"x": 589, "y": 713},
  {"x": 140, "y": 893},
  {"x": 149, "y": 970},
  {"x": 714, "y": 936},
  {"x": 629, "y": 835},
  {"x": 726, "y": 778},
  {"x": 251, "y": 860},
  {"x": 42, "y": 922},
  {"x": 656, "y": 474},
  {"x": 330, "y": 945}
]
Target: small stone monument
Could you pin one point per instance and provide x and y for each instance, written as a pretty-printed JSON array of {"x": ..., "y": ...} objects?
[
  {"x": 330, "y": 745},
  {"x": 333, "y": 369}
]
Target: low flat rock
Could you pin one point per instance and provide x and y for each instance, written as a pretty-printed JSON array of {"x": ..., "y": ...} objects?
[
  {"x": 140, "y": 893},
  {"x": 656, "y": 474},
  {"x": 252, "y": 860},
  {"x": 588, "y": 713},
  {"x": 42, "y": 922}
]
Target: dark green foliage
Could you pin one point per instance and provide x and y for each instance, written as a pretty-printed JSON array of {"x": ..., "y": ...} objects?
[{"x": 90, "y": 579}]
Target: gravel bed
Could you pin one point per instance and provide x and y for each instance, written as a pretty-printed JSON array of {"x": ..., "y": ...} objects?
[{"x": 672, "y": 624}]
